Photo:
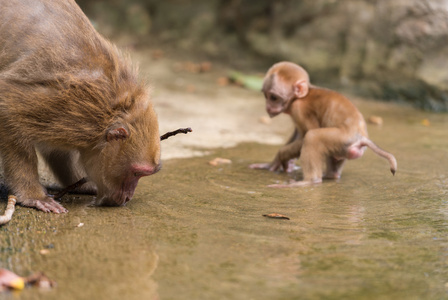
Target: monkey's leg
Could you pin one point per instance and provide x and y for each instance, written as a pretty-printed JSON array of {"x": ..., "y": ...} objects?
[
  {"x": 276, "y": 166},
  {"x": 285, "y": 158},
  {"x": 67, "y": 169},
  {"x": 318, "y": 144},
  {"x": 22, "y": 178},
  {"x": 334, "y": 168}
]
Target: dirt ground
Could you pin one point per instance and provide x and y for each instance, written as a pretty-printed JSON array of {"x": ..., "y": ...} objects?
[
  {"x": 194, "y": 231},
  {"x": 221, "y": 115}
]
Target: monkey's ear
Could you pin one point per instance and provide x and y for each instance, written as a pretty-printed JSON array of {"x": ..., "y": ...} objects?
[
  {"x": 119, "y": 133},
  {"x": 301, "y": 88}
]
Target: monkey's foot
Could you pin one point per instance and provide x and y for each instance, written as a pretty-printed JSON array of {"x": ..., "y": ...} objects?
[
  {"x": 46, "y": 205},
  {"x": 294, "y": 183},
  {"x": 291, "y": 166},
  {"x": 261, "y": 166},
  {"x": 332, "y": 176},
  {"x": 275, "y": 166}
]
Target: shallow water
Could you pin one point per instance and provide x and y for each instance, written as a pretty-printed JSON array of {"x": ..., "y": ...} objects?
[{"x": 195, "y": 231}]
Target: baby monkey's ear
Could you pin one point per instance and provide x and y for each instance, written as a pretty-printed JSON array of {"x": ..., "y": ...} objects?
[{"x": 301, "y": 89}]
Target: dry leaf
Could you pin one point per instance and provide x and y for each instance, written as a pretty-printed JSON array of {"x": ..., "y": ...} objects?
[
  {"x": 191, "y": 88},
  {"x": 157, "y": 54},
  {"x": 425, "y": 122},
  {"x": 375, "y": 120},
  {"x": 265, "y": 120},
  {"x": 10, "y": 280},
  {"x": 223, "y": 81},
  {"x": 205, "y": 66},
  {"x": 219, "y": 161},
  {"x": 276, "y": 216},
  {"x": 40, "y": 280},
  {"x": 80, "y": 225},
  {"x": 44, "y": 251},
  {"x": 191, "y": 67}
]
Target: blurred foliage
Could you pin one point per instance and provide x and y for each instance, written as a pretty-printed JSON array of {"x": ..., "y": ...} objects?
[{"x": 248, "y": 81}]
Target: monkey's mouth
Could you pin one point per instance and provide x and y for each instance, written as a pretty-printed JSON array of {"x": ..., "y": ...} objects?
[
  {"x": 109, "y": 201},
  {"x": 118, "y": 194},
  {"x": 118, "y": 197}
]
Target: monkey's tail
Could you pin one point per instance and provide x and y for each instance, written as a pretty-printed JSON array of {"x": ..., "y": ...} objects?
[{"x": 389, "y": 156}]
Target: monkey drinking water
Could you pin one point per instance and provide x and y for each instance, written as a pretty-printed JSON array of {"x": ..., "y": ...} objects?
[
  {"x": 329, "y": 128},
  {"x": 70, "y": 94}
]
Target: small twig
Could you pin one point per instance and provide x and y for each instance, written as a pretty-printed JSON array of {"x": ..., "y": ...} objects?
[
  {"x": 171, "y": 133},
  {"x": 276, "y": 216},
  {"x": 70, "y": 188},
  {"x": 9, "y": 210}
]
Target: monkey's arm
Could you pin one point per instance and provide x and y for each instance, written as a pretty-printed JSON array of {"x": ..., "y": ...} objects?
[
  {"x": 295, "y": 136},
  {"x": 285, "y": 158},
  {"x": 287, "y": 153}
]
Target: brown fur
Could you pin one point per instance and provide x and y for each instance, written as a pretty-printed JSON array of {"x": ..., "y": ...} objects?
[
  {"x": 62, "y": 89},
  {"x": 329, "y": 128}
]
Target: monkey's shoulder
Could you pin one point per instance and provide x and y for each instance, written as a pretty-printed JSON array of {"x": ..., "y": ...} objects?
[
  {"x": 328, "y": 108},
  {"x": 320, "y": 97},
  {"x": 324, "y": 94}
]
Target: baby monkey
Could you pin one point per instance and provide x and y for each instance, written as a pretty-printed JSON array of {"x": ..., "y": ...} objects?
[{"x": 329, "y": 128}]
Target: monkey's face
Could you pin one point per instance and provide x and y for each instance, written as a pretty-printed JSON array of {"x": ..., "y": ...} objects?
[
  {"x": 283, "y": 83},
  {"x": 131, "y": 151},
  {"x": 278, "y": 95},
  {"x": 275, "y": 104}
]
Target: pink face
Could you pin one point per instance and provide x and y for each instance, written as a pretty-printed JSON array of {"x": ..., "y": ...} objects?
[
  {"x": 124, "y": 192},
  {"x": 274, "y": 104},
  {"x": 131, "y": 151}
]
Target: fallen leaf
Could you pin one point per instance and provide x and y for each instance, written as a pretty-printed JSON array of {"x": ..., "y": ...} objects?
[
  {"x": 223, "y": 81},
  {"x": 375, "y": 120},
  {"x": 265, "y": 120},
  {"x": 40, "y": 280},
  {"x": 219, "y": 161},
  {"x": 205, "y": 66},
  {"x": 44, "y": 251},
  {"x": 276, "y": 216},
  {"x": 80, "y": 225},
  {"x": 10, "y": 280},
  {"x": 157, "y": 54},
  {"x": 191, "y": 67},
  {"x": 425, "y": 122},
  {"x": 191, "y": 88}
]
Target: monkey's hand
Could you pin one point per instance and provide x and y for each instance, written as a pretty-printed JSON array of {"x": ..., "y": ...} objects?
[
  {"x": 293, "y": 183},
  {"x": 276, "y": 166},
  {"x": 261, "y": 166},
  {"x": 46, "y": 205}
]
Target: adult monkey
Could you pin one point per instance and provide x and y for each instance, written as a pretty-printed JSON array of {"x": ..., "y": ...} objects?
[
  {"x": 329, "y": 128},
  {"x": 70, "y": 94}
]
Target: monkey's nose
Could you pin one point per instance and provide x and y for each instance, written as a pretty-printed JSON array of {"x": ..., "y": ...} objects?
[{"x": 145, "y": 170}]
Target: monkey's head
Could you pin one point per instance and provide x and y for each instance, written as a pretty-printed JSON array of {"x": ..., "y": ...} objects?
[
  {"x": 284, "y": 82},
  {"x": 130, "y": 150}
]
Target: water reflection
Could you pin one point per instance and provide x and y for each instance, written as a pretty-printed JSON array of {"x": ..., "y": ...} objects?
[
  {"x": 110, "y": 255},
  {"x": 196, "y": 232}
]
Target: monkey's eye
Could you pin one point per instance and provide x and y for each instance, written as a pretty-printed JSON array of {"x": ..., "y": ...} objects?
[{"x": 273, "y": 98}]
